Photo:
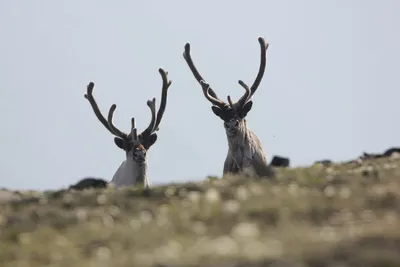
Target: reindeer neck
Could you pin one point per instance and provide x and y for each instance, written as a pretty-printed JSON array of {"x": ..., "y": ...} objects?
[
  {"x": 141, "y": 174},
  {"x": 131, "y": 173},
  {"x": 240, "y": 139}
]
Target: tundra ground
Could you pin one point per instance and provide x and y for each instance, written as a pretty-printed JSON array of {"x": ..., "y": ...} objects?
[{"x": 337, "y": 215}]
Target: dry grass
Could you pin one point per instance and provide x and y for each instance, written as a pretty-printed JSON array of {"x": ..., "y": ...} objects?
[{"x": 342, "y": 215}]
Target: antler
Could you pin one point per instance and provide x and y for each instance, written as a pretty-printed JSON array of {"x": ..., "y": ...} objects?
[
  {"x": 114, "y": 129},
  {"x": 245, "y": 97},
  {"x": 134, "y": 136},
  {"x": 164, "y": 92},
  {"x": 155, "y": 120},
  {"x": 149, "y": 129},
  {"x": 207, "y": 90},
  {"x": 263, "y": 61},
  {"x": 95, "y": 107}
]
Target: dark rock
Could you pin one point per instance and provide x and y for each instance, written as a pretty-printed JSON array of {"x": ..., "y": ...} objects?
[
  {"x": 89, "y": 182},
  {"x": 278, "y": 161},
  {"x": 390, "y": 151},
  {"x": 385, "y": 154}
]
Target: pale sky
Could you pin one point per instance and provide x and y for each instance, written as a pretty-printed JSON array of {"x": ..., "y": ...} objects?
[{"x": 330, "y": 89}]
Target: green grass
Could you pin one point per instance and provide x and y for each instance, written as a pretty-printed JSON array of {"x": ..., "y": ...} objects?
[{"x": 345, "y": 214}]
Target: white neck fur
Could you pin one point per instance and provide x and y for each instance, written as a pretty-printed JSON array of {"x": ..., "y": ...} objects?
[{"x": 130, "y": 173}]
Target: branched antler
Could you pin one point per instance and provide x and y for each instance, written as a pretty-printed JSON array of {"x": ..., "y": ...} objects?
[
  {"x": 155, "y": 120},
  {"x": 114, "y": 129},
  {"x": 95, "y": 107},
  {"x": 107, "y": 123},
  {"x": 263, "y": 62},
  {"x": 207, "y": 90}
]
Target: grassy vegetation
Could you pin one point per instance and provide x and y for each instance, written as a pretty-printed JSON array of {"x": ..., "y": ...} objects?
[{"x": 338, "y": 215}]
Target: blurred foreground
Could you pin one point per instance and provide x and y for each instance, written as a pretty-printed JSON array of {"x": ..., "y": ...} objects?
[{"x": 337, "y": 215}]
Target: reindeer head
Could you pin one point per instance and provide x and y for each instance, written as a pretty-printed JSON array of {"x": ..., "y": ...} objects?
[
  {"x": 135, "y": 146},
  {"x": 233, "y": 114}
]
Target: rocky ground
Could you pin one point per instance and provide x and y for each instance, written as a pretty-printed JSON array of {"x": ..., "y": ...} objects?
[{"x": 336, "y": 215}]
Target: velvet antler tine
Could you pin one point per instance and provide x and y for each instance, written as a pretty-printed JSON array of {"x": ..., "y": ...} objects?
[
  {"x": 95, "y": 107},
  {"x": 164, "y": 94},
  {"x": 149, "y": 129},
  {"x": 114, "y": 129},
  {"x": 207, "y": 90}
]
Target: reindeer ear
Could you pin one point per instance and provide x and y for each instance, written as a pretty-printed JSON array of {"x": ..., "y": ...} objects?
[
  {"x": 119, "y": 142},
  {"x": 217, "y": 111},
  {"x": 152, "y": 140},
  {"x": 245, "y": 109}
]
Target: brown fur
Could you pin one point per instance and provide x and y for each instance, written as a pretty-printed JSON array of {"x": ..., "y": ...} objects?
[{"x": 245, "y": 152}]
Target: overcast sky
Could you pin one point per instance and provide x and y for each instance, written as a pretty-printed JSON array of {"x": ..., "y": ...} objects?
[{"x": 331, "y": 87}]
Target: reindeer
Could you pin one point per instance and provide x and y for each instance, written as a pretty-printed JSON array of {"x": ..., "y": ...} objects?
[
  {"x": 245, "y": 152},
  {"x": 133, "y": 170}
]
